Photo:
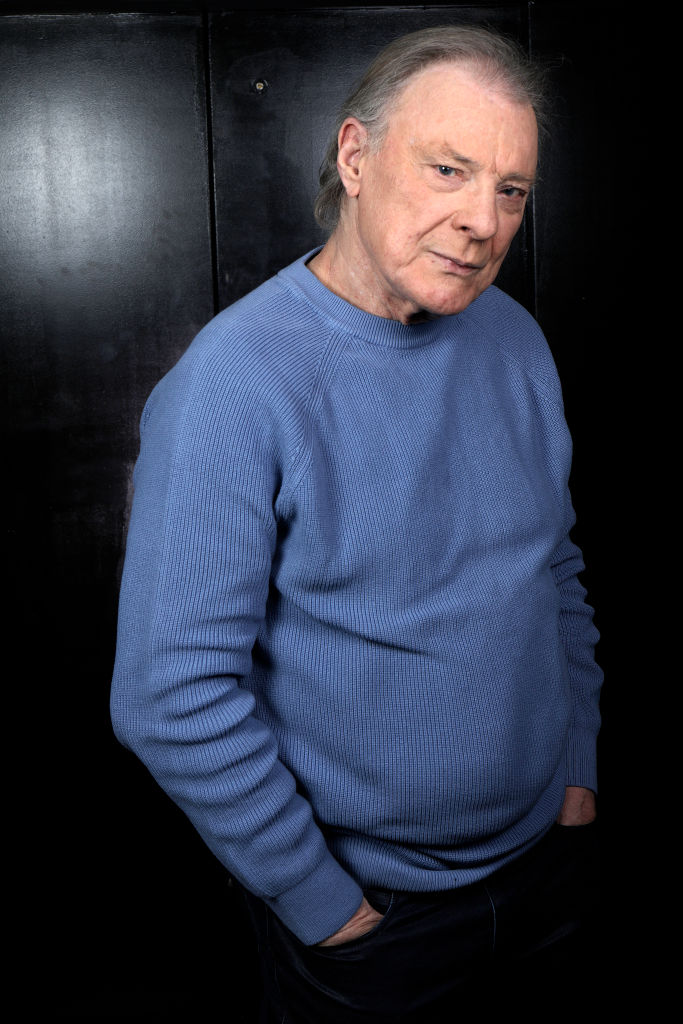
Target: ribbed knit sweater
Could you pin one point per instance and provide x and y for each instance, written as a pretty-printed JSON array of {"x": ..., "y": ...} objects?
[{"x": 352, "y": 643}]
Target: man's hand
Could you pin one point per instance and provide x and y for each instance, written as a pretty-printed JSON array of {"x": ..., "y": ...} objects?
[
  {"x": 578, "y": 807},
  {"x": 364, "y": 920}
]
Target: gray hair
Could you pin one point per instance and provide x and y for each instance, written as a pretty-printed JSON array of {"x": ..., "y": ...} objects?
[{"x": 498, "y": 61}]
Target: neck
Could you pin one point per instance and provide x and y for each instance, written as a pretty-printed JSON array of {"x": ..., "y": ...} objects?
[{"x": 341, "y": 267}]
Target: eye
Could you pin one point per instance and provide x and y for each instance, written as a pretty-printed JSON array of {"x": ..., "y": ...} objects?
[
  {"x": 513, "y": 192},
  {"x": 445, "y": 171}
]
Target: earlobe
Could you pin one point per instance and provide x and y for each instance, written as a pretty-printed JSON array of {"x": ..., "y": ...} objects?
[{"x": 352, "y": 140}]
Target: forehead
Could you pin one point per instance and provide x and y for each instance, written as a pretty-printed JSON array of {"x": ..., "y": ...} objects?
[{"x": 449, "y": 106}]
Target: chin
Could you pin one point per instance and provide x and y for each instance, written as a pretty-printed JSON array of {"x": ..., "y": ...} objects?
[
  {"x": 450, "y": 305},
  {"x": 449, "y": 301}
]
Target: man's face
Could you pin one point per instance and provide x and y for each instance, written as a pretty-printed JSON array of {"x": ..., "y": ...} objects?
[{"x": 433, "y": 211}]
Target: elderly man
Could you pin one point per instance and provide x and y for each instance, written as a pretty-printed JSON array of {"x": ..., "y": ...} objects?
[{"x": 352, "y": 643}]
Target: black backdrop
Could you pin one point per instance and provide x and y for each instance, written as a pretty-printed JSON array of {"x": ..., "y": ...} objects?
[{"x": 157, "y": 162}]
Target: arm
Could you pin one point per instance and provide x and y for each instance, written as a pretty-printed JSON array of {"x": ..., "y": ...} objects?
[
  {"x": 200, "y": 544},
  {"x": 579, "y": 637}
]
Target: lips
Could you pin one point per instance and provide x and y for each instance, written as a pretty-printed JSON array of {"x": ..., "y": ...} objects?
[{"x": 457, "y": 266}]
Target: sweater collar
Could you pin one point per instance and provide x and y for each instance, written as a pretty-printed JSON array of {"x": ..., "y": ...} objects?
[{"x": 375, "y": 329}]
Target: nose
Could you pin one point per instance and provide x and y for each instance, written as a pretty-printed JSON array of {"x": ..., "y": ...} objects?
[{"x": 477, "y": 213}]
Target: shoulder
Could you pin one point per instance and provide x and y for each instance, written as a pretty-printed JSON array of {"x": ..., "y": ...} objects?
[
  {"x": 263, "y": 349},
  {"x": 516, "y": 333},
  {"x": 270, "y": 333}
]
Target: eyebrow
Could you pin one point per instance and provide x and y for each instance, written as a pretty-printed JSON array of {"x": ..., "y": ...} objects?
[{"x": 451, "y": 154}]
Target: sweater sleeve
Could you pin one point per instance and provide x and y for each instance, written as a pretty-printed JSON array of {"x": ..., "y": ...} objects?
[
  {"x": 579, "y": 637},
  {"x": 577, "y": 631},
  {"x": 194, "y": 590},
  {"x": 522, "y": 340}
]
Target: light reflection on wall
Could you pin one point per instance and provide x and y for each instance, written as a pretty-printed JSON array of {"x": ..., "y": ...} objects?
[
  {"x": 95, "y": 157},
  {"x": 87, "y": 198}
]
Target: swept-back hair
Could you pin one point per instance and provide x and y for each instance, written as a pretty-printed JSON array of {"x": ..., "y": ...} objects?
[{"x": 497, "y": 61}]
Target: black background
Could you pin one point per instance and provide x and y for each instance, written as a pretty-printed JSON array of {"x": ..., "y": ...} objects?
[{"x": 145, "y": 183}]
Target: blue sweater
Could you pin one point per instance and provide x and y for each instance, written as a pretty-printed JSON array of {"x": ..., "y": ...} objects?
[{"x": 352, "y": 644}]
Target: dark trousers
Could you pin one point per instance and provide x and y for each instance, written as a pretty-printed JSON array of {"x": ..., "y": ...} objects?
[{"x": 523, "y": 941}]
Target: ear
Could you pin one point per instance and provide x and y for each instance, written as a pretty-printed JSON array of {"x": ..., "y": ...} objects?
[{"x": 352, "y": 142}]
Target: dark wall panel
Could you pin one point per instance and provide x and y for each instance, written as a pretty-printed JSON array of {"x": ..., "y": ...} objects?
[
  {"x": 105, "y": 250},
  {"x": 277, "y": 81},
  {"x": 106, "y": 263},
  {"x": 106, "y": 275}
]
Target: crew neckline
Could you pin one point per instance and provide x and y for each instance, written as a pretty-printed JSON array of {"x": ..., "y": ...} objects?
[{"x": 377, "y": 330}]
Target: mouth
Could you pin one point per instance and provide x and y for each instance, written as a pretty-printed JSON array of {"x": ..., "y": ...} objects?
[{"x": 461, "y": 268}]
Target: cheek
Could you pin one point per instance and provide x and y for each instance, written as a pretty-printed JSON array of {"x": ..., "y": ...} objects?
[
  {"x": 500, "y": 250},
  {"x": 385, "y": 217},
  {"x": 399, "y": 237},
  {"x": 406, "y": 215},
  {"x": 505, "y": 236}
]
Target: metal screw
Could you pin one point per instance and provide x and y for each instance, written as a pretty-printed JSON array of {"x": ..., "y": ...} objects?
[{"x": 259, "y": 86}]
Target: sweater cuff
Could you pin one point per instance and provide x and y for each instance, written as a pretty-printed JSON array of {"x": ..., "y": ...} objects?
[
  {"x": 582, "y": 760},
  {"x": 320, "y": 904}
]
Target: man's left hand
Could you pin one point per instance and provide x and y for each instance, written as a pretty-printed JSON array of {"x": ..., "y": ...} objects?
[{"x": 578, "y": 807}]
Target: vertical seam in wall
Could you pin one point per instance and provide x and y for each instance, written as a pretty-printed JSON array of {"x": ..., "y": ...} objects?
[
  {"x": 213, "y": 232},
  {"x": 532, "y": 233}
]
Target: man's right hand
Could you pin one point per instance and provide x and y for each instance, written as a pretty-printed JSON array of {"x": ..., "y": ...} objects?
[{"x": 364, "y": 920}]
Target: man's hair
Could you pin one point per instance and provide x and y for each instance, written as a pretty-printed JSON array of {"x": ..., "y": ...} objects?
[{"x": 497, "y": 61}]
